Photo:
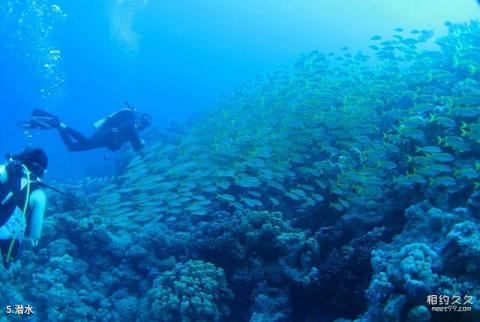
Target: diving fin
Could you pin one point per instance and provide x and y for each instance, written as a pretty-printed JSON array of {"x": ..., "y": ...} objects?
[{"x": 40, "y": 120}]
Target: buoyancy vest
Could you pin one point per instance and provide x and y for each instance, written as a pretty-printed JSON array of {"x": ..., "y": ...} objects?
[
  {"x": 116, "y": 119},
  {"x": 12, "y": 196},
  {"x": 13, "y": 208}
]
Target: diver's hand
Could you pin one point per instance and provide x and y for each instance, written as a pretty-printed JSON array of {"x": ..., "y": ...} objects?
[{"x": 14, "y": 168}]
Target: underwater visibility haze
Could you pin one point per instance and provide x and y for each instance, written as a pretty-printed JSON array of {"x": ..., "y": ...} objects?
[{"x": 271, "y": 160}]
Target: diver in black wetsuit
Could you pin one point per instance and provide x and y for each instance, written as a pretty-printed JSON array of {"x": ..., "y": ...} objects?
[{"x": 112, "y": 131}]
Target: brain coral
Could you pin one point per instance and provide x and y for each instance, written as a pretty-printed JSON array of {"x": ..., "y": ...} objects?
[{"x": 191, "y": 291}]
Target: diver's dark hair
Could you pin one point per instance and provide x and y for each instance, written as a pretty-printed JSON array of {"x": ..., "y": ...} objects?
[{"x": 35, "y": 160}]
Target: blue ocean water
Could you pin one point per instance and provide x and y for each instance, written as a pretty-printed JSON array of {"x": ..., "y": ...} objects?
[
  {"x": 170, "y": 59},
  {"x": 325, "y": 165}
]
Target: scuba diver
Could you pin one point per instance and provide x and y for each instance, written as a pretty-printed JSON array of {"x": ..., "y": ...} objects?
[
  {"x": 111, "y": 131},
  {"x": 22, "y": 202}
]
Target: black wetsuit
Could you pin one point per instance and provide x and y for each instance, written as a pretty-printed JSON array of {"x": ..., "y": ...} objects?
[{"x": 116, "y": 130}]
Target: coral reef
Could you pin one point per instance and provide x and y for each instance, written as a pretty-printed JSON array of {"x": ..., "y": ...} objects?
[
  {"x": 416, "y": 265},
  {"x": 193, "y": 291},
  {"x": 343, "y": 188}
]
